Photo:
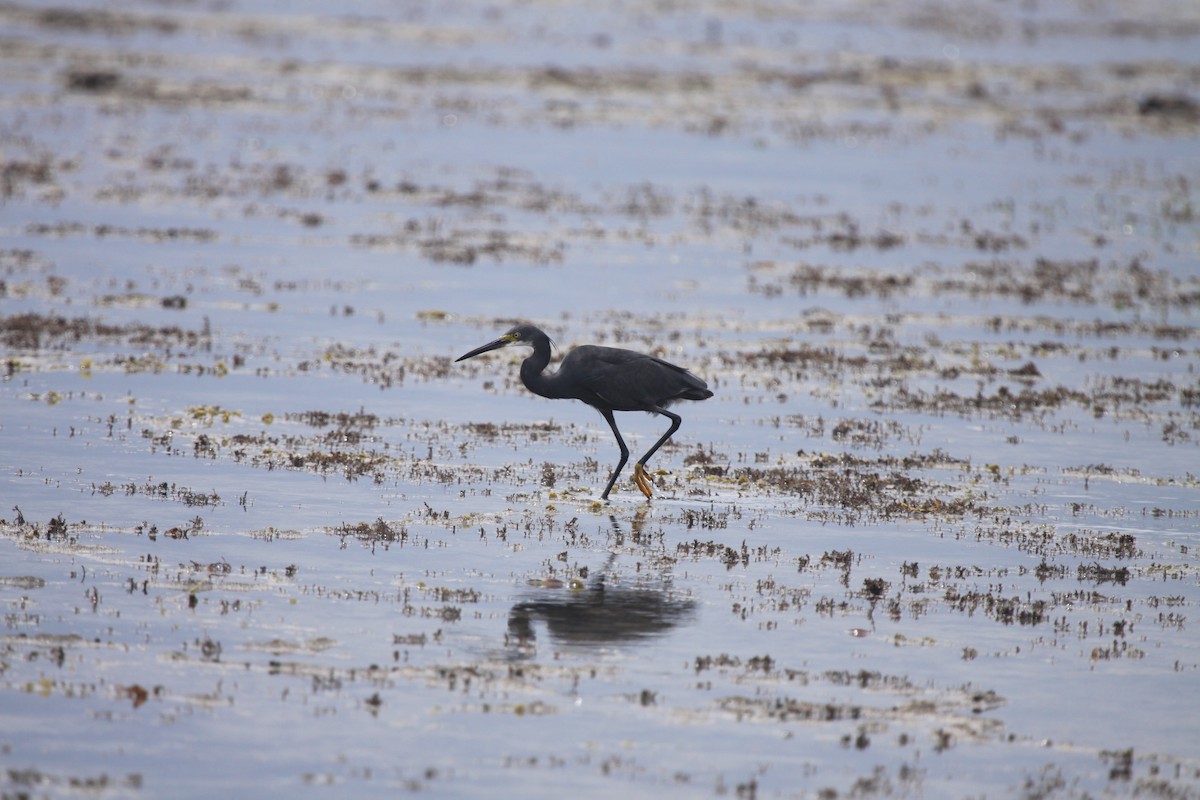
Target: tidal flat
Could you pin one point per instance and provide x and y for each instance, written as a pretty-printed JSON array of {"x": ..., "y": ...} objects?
[{"x": 937, "y": 534}]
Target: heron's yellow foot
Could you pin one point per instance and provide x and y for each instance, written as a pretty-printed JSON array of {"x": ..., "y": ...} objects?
[{"x": 642, "y": 480}]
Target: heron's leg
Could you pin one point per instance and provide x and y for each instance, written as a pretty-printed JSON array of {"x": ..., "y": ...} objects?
[
  {"x": 612, "y": 423},
  {"x": 639, "y": 474},
  {"x": 676, "y": 421}
]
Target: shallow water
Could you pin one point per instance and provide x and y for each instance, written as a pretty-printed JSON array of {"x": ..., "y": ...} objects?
[{"x": 935, "y": 535}]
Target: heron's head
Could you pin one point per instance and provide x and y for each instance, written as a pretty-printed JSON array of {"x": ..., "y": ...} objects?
[{"x": 525, "y": 334}]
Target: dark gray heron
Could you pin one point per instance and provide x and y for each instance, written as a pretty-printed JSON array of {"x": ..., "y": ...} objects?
[{"x": 608, "y": 379}]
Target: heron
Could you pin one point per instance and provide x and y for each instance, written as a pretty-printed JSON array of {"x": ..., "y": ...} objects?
[{"x": 608, "y": 379}]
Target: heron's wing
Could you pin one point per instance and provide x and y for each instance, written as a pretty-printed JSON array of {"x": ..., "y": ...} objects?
[{"x": 625, "y": 380}]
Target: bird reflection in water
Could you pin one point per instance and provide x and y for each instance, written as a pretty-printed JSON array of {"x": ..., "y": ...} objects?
[{"x": 601, "y": 613}]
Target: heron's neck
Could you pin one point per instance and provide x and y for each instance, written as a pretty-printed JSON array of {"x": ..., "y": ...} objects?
[{"x": 532, "y": 373}]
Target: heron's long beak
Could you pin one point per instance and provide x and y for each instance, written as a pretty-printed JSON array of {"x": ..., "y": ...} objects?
[{"x": 503, "y": 341}]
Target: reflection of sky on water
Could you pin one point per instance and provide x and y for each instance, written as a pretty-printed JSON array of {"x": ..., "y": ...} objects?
[{"x": 443, "y": 658}]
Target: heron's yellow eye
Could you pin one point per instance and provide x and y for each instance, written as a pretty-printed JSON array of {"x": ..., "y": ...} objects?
[{"x": 511, "y": 337}]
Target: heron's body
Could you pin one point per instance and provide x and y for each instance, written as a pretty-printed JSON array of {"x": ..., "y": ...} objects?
[{"x": 608, "y": 379}]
